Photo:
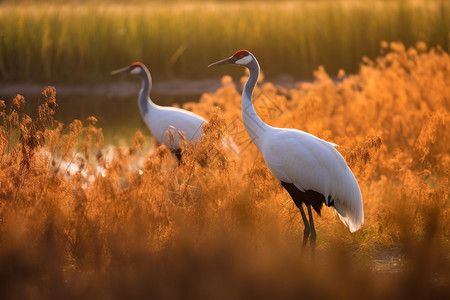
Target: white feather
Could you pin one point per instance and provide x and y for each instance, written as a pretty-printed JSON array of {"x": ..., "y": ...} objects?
[
  {"x": 135, "y": 71},
  {"x": 310, "y": 163},
  {"x": 163, "y": 120},
  {"x": 244, "y": 61}
]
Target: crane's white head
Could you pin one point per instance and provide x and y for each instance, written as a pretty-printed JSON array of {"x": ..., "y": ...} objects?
[
  {"x": 242, "y": 57},
  {"x": 135, "y": 68}
]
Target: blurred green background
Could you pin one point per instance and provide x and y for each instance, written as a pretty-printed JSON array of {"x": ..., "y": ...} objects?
[{"x": 80, "y": 42}]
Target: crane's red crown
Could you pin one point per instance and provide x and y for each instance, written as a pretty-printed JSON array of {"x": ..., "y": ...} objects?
[
  {"x": 241, "y": 53},
  {"x": 136, "y": 64}
]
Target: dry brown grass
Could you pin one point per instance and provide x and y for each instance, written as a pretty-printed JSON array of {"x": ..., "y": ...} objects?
[{"x": 220, "y": 227}]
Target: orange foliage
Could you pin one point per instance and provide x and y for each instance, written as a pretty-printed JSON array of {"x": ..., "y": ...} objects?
[{"x": 134, "y": 222}]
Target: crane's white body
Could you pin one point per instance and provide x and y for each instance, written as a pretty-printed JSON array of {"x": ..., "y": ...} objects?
[
  {"x": 310, "y": 163},
  {"x": 165, "y": 121},
  {"x": 299, "y": 158}
]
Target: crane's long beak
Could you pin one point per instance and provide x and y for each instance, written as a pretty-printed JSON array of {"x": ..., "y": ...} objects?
[
  {"x": 229, "y": 60},
  {"x": 123, "y": 70}
]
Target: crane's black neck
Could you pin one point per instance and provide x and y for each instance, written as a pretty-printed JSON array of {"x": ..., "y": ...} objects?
[
  {"x": 145, "y": 103},
  {"x": 254, "y": 126}
]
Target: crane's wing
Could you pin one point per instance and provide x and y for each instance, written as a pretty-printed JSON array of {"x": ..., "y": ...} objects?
[
  {"x": 311, "y": 163},
  {"x": 169, "y": 121}
]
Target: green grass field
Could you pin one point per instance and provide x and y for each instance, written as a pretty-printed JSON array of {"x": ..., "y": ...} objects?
[{"x": 82, "y": 43}]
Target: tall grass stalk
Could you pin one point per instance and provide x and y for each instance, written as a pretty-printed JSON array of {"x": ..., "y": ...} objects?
[
  {"x": 83, "y": 42},
  {"x": 134, "y": 223}
]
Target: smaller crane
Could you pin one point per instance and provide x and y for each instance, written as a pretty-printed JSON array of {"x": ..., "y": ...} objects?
[{"x": 164, "y": 122}]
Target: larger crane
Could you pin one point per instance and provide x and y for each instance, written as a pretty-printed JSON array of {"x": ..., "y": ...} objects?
[
  {"x": 311, "y": 170},
  {"x": 166, "y": 123}
]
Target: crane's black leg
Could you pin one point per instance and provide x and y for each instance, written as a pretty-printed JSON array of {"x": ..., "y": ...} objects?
[
  {"x": 312, "y": 238},
  {"x": 307, "y": 230},
  {"x": 177, "y": 153}
]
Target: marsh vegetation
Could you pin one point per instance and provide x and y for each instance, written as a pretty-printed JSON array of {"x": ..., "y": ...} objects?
[{"x": 224, "y": 228}]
